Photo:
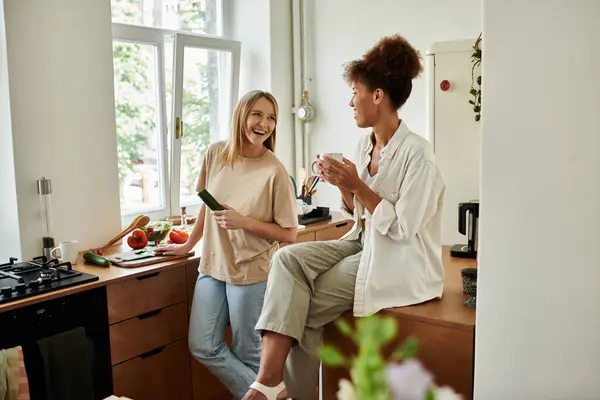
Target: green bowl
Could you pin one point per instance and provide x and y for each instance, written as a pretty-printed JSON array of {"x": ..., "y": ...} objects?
[{"x": 159, "y": 231}]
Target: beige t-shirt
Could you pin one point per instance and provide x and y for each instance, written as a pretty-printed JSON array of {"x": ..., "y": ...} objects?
[{"x": 256, "y": 187}]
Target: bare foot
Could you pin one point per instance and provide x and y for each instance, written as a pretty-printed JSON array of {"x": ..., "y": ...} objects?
[{"x": 256, "y": 395}]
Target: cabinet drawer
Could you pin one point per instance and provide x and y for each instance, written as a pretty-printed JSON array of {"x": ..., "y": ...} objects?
[
  {"x": 334, "y": 232},
  {"x": 305, "y": 237},
  {"x": 137, "y": 296},
  {"x": 159, "y": 375},
  {"x": 148, "y": 331}
]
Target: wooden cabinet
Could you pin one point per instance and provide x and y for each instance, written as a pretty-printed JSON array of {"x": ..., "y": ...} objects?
[
  {"x": 306, "y": 237},
  {"x": 148, "y": 318},
  {"x": 149, "y": 322},
  {"x": 136, "y": 296},
  {"x": 445, "y": 329},
  {"x": 333, "y": 232},
  {"x": 147, "y": 332},
  {"x": 163, "y": 373}
]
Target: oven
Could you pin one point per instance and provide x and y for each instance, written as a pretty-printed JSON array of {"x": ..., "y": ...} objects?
[{"x": 33, "y": 327}]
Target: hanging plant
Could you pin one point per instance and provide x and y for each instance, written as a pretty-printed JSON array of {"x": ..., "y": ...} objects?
[{"x": 476, "y": 81}]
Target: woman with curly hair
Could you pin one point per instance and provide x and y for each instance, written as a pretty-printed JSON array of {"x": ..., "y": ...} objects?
[{"x": 393, "y": 255}]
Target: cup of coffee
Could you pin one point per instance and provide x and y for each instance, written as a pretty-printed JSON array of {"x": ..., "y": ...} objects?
[
  {"x": 68, "y": 251},
  {"x": 336, "y": 156}
]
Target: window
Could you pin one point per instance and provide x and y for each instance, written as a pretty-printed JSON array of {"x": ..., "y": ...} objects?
[{"x": 175, "y": 89}]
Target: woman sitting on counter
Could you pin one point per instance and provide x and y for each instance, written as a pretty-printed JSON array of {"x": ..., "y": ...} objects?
[
  {"x": 393, "y": 256},
  {"x": 238, "y": 242}
]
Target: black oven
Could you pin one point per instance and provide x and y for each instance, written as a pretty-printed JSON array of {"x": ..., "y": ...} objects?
[{"x": 32, "y": 327}]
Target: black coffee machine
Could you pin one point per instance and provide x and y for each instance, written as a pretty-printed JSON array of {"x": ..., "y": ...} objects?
[{"x": 468, "y": 224}]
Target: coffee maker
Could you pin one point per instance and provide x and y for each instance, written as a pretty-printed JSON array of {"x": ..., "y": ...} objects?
[{"x": 468, "y": 224}]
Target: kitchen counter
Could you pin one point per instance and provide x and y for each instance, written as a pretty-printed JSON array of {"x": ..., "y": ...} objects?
[
  {"x": 114, "y": 273},
  {"x": 147, "y": 324}
]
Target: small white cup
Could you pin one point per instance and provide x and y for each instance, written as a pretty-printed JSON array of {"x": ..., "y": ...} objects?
[
  {"x": 336, "y": 156},
  {"x": 68, "y": 251}
]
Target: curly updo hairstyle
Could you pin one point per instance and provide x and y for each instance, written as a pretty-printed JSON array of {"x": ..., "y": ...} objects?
[{"x": 390, "y": 65}]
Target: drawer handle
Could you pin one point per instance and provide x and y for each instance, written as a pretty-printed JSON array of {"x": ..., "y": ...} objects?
[
  {"x": 152, "y": 352},
  {"x": 342, "y": 224},
  {"x": 152, "y": 275},
  {"x": 150, "y": 314}
]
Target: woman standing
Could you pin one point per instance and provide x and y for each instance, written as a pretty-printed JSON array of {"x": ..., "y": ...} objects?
[{"x": 253, "y": 186}]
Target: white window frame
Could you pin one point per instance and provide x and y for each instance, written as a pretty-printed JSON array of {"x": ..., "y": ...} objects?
[
  {"x": 202, "y": 42},
  {"x": 169, "y": 183}
]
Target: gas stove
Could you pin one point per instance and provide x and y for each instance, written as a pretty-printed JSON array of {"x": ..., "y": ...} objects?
[{"x": 19, "y": 280}]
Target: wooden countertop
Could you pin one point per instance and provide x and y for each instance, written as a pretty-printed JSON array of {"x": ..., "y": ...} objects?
[
  {"x": 114, "y": 273},
  {"x": 450, "y": 309}
]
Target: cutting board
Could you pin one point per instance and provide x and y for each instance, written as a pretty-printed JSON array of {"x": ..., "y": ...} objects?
[{"x": 130, "y": 259}]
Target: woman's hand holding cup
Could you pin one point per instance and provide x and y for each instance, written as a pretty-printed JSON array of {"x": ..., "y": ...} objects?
[
  {"x": 322, "y": 162},
  {"x": 339, "y": 172}
]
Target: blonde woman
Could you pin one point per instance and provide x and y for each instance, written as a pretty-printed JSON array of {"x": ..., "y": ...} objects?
[{"x": 253, "y": 186}]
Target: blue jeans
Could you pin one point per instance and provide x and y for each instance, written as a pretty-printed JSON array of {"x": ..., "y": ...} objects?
[{"x": 217, "y": 304}]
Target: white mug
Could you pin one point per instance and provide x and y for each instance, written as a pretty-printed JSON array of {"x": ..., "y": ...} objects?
[
  {"x": 336, "y": 156},
  {"x": 68, "y": 251}
]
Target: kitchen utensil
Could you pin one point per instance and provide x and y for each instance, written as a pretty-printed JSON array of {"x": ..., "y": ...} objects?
[
  {"x": 295, "y": 186},
  {"x": 139, "y": 222},
  {"x": 68, "y": 251},
  {"x": 301, "y": 180},
  {"x": 336, "y": 156},
  {"x": 313, "y": 184},
  {"x": 130, "y": 259}
]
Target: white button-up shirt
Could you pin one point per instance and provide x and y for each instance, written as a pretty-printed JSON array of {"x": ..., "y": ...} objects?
[{"x": 401, "y": 262}]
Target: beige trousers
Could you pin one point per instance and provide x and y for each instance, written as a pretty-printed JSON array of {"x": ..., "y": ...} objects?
[{"x": 310, "y": 284}]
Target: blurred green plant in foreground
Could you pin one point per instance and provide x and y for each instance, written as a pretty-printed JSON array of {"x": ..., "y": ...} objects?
[{"x": 373, "y": 377}]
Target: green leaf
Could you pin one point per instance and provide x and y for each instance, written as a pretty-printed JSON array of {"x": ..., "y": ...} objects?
[
  {"x": 409, "y": 349},
  {"x": 477, "y": 117},
  {"x": 477, "y": 109},
  {"x": 388, "y": 329},
  {"x": 479, "y": 80},
  {"x": 430, "y": 394},
  {"x": 344, "y": 327},
  {"x": 471, "y": 102},
  {"x": 332, "y": 356},
  {"x": 473, "y": 92}
]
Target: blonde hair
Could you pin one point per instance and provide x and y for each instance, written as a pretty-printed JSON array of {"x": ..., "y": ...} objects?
[{"x": 235, "y": 144}]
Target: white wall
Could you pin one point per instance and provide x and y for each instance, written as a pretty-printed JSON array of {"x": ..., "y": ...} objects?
[
  {"x": 10, "y": 242},
  {"x": 264, "y": 28},
  {"x": 538, "y": 303},
  {"x": 63, "y": 119},
  {"x": 281, "y": 78},
  {"x": 343, "y": 31},
  {"x": 453, "y": 129}
]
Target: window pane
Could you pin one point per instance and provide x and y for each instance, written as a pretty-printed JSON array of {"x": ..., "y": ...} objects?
[
  {"x": 205, "y": 110},
  {"x": 168, "y": 46},
  {"x": 138, "y": 144},
  {"x": 199, "y": 16}
]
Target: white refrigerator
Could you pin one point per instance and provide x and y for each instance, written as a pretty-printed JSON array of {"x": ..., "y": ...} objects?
[{"x": 452, "y": 128}]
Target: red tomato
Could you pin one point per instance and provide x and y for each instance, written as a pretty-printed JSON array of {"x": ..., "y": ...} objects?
[
  {"x": 178, "y": 237},
  {"x": 137, "y": 239}
]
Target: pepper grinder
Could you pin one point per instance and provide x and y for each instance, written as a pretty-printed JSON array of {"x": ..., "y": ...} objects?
[{"x": 45, "y": 191}]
